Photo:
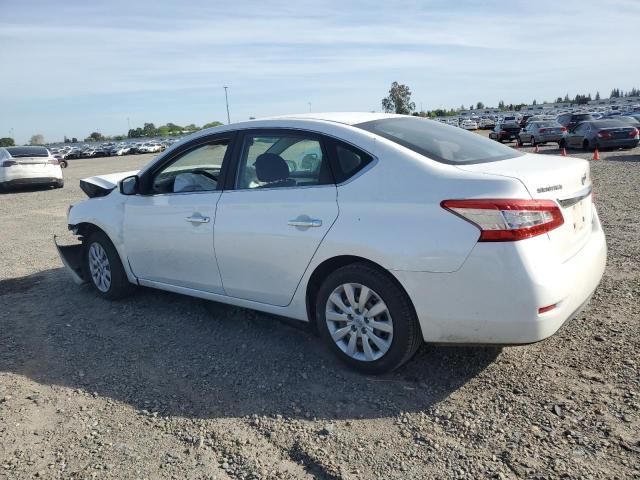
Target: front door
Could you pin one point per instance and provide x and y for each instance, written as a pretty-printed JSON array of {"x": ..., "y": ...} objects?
[
  {"x": 270, "y": 224},
  {"x": 168, "y": 230}
]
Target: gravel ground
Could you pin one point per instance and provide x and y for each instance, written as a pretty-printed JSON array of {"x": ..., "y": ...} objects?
[{"x": 165, "y": 386}]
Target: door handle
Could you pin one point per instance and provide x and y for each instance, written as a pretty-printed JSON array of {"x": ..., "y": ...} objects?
[
  {"x": 305, "y": 222},
  {"x": 197, "y": 219}
]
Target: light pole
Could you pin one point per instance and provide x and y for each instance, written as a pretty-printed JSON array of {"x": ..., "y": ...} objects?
[
  {"x": 128, "y": 124},
  {"x": 309, "y": 106},
  {"x": 226, "y": 98}
]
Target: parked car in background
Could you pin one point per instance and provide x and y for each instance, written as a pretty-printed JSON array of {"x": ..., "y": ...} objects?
[
  {"x": 487, "y": 124},
  {"x": 542, "y": 132},
  {"x": 149, "y": 148},
  {"x": 21, "y": 166},
  {"x": 570, "y": 120},
  {"x": 88, "y": 152},
  {"x": 469, "y": 125},
  {"x": 601, "y": 134},
  {"x": 505, "y": 132},
  {"x": 120, "y": 150},
  {"x": 334, "y": 248}
]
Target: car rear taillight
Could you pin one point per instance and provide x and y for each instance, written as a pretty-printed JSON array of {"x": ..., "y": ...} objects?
[
  {"x": 506, "y": 220},
  {"x": 54, "y": 161},
  {"x": 603, "y": 134},
  {"x": 563, "y": 129},
  {"x": 634, "y": 132},
  {"x": 543, "y": 130},
  {"x": 8, "y": 163}
]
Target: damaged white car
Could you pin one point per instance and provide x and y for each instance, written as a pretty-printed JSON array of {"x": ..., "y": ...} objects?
[{"x": 383, "y": 230}]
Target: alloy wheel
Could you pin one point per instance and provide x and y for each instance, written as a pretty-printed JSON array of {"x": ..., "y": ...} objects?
[
  {"x": 359, "y": 322},
  {"x": 99, "y": 267}
]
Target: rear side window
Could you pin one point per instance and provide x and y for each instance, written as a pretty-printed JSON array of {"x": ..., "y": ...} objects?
[
  {"x": 439, "y": 142},
  {"x": 349, "y": 161}
]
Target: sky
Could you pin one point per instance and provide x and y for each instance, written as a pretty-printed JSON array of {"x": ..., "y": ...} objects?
[{"x": 72, "y": 67}]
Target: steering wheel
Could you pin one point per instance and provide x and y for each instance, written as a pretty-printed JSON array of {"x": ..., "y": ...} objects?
[{"x": 205, "y": 174}]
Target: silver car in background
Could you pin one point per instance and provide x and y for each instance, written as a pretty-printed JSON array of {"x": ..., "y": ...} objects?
[{"x": 542, "y": 132}]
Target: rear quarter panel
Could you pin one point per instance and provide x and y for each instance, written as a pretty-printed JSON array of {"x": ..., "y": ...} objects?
[{"x": 391, "y": 213}]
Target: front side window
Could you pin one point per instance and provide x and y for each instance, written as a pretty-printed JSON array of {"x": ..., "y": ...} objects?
[
  {"x": 196, "y": 170},
  {"x": 282, "y": 160},
  {"x": 439, "y": 142}
]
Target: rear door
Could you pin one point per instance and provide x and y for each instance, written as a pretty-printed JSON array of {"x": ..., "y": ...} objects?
[{"x": 282, "y": 203}]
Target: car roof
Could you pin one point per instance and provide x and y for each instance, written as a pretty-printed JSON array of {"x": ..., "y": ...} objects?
[{"x": 347, "y": 118}]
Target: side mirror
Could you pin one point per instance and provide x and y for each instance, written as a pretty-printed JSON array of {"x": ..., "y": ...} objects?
[{"x": 130, "y": 185}]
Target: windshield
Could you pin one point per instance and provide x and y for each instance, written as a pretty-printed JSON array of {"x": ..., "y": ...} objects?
[
  {"x": 17, "y": 152},
  {"x": 440, "y": 142}
]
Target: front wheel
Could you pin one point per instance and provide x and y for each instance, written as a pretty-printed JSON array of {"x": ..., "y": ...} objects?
[
  {"x": 103, "y": 269},
  {"x": 367, "y": 319}
]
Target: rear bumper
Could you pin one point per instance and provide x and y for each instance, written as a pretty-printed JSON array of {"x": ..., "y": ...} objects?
[
  {"x": 495, "y": 296},
  {"x": 618, "y": 143},
  {"x": 17, "y": 182},
  {"x": 550, "y": 138}
]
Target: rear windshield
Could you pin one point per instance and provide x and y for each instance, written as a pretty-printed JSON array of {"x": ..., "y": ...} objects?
[
  {"x": 583, "y": 117},
  {"x": 17, "y": 152},
  {"x": 608, "y": 123},
  {"x": 440, "y": 142}
]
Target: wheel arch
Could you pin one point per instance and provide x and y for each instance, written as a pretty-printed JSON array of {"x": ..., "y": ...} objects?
[
  {"x": 86, "y": 228},
  {"x": 330, "y": 265}
]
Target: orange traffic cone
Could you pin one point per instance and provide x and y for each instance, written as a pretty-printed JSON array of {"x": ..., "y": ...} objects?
[
  {"x": 537, "y": 150},
  {"x": 564, "y": 152},
  {"x": 596, "y": 154}
]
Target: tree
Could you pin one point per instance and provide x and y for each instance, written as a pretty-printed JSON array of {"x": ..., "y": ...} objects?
[
  {"x": 7, "y": 142},
  {"x": 149, "y": 130},
  {"x": 566, "y": 98},
  {"x": 37, "y": 139},
  {"x": 74, "y": 140},
  {"x": 534, "y": 102},
  {"x": 398, "y": 100},
  {"x": 480, "y": 106},
  {"x": 96, "y": 136},
  {"x": 597, "y": 95},
  {"x": 501, "y": 104}
]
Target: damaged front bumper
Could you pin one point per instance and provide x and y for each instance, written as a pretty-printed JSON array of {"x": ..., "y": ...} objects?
[{"x": 71, "y": 256}]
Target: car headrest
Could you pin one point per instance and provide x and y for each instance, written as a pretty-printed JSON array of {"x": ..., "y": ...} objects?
[{"x": 271, "y": 168}]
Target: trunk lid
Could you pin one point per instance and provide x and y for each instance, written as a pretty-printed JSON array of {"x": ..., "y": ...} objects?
[{"x": 564, "y": 180}]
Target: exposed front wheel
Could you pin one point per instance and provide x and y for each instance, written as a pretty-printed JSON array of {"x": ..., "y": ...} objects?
[
  {"x": 103, "y": 269},
  {"x": 367, "y": 319}
]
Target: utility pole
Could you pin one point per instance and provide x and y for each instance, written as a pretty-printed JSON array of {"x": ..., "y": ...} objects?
[
  {"x": 128, "y": 124},
  {"x": 226, "y": 98},
  {"x": 309, "y": 106}
]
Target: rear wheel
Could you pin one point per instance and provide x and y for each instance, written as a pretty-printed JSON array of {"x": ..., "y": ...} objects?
[
  {"x": 63, "y": 163},
  {"x": 103, "y": 269},
  {"x": 562, "y": 143},
  {"x": 533, "y": 141},
  {"x": 367, "y": 319}
]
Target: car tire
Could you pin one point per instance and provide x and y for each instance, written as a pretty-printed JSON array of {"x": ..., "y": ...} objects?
[
  {"x": 59, "y": 184},
  {"x": 392, "y": 335},
  {"x": 63, "y": 164},
  {"x": 102, "y": 267}
]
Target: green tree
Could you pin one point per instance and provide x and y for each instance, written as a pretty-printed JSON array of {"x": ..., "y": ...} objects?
[
  {"x": 37, "y": 139},
  {"x": 597, "y": 95},
  {"x": 7, "y": 142},
  {"x": 501, "y": 104},
  {"x": 96, "y": 136},
  {"x": 480, "y": 106},
  {"x": 398, "y": 100},
  {"x": 534, "y": 102},
  {"x": 149, "y": 130}
]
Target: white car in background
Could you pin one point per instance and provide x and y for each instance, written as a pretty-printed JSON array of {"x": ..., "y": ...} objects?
[
  {"x": 21, "y": 166},
  {"x": 469, "y": 125},
  {"x": 383, "y": 230},
  {"x": 149, "y": 148}
]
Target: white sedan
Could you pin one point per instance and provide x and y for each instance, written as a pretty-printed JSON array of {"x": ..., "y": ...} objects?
[
  {"x": 22, "y": 166},
  {"x": 383, "y": 230}
]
